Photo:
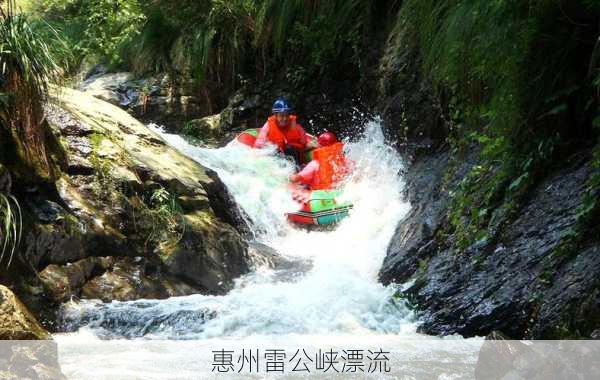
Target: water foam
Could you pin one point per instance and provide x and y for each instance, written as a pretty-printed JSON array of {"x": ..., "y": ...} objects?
[{"x": 339, "y": 293}]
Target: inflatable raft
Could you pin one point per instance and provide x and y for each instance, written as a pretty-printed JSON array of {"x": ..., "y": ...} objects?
[{"x": 317, "y": 207}]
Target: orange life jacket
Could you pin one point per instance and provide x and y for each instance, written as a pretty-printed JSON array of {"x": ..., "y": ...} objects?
[
  {"x": 288, "y": 136},
  {"x": 332, "y": 165}
]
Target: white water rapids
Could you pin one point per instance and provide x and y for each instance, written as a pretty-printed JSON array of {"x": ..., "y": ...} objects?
[{"x": 329, "y": 299}]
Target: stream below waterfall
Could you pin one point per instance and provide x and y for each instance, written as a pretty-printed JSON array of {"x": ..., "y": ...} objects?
[{"x": 328, "y": 301}]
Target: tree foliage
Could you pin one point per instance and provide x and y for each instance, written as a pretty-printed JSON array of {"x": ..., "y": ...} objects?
[
  {"x": 218, "y": 40},
  {"x": 519, "y": 79}
]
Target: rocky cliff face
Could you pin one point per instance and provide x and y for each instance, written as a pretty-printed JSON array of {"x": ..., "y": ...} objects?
[
  {"x": 518, "y": 280},
  {"x": 518, "y": 283}
]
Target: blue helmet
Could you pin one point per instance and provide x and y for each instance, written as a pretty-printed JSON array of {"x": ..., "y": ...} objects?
[{"x": 281, "y": 105}]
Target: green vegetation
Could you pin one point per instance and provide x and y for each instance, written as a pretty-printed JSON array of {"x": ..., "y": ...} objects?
[
  {"x": 219, "y": 42},
  {"x": 166, "y": 215},
  {"x": 10, "y": 227},
  {"x": 30, "y": 59},
  {"x": 520, "y": 80},
  {"x": 97, "y": 28}
]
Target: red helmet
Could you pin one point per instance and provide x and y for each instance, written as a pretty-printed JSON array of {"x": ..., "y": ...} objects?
[{"x": 326, "y": 139}]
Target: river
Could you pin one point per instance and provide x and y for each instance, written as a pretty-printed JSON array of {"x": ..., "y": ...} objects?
[{"x": 328, "y": 301}]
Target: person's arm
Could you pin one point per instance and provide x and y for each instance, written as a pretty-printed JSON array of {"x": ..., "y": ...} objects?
[
  {"x": 303, "y": 137},
  {"x": 262, "y": 137},
  {"x": 302, "y": 141}
]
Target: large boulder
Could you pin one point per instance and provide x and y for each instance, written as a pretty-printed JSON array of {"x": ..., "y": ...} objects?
[
  {"x": 207, "y": 129},
  {"x": 128, "y": 194}
]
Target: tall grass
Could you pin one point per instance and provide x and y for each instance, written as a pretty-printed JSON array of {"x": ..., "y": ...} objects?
[
  {"x": 517, "y": 69},
  {"x": 27, "y": 66},
  {"x": 10, "y": 227},
  {"x": 25, "y": 56},
  {"x": 149, "y": 50},
  {"x": 327, "y": 27},
  {"x": 517, "y": 77}
]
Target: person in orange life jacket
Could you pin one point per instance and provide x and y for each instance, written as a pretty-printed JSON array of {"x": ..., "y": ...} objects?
[
  {"x": 282, "y": 130},
  {"x": 328, "y": 166}
]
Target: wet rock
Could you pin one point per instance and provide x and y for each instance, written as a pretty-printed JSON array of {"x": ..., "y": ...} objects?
[
  {"x": 80, "y": 166},
  {"x": 263, "y": 256},
  {"x": 61, "y": 237},
  {"x": 63, "y": 282},
  {"x": 413, "y": 239},
  {"x": 16, "y": 322},
  {"x": 160, "y": 98},
  {"x": 208, "y": 129},
  {"x": 192, "y": 203},
  {"x": 47, "y": 211},
  {"x": 52, "y": 244},
  {"x": 129, "y": 97},
  {"x": 577, "y": 287},
  {"x": 166, "y": 319},
  {"x": 284, "y": 269},
  {"x": 242, "y": 112},
  {"x": 130, "y": 279},
  {"x": 90, "y": 69},
  {"x": 110, "y": 278},
  {"x": 118, "y": 201},
  {"x": 514, "y": 284},
  {"x": 224, "y": 257},
  {"x": 223, "y": 204},
  {"x": 80, "y": 145},
  {"x": 66, "y": 124},
  {"x": 110, "y": 211},
  {"x": 106, "y": 86}
]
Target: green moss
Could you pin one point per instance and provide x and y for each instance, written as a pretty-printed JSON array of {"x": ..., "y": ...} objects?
[
  {"x": 96, "y": 140},
  {"x": 423, "y": 265}
]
